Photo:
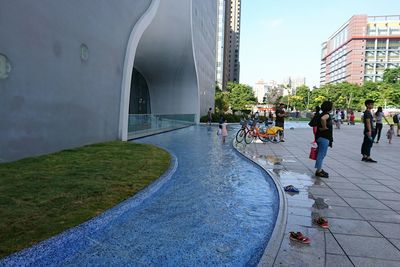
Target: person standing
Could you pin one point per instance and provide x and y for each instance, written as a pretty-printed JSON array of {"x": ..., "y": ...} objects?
[
  {"x": 224, "y": 131},
  {"x": 280, "y": 120},
  {"x": 270, "y": 116},
  {"x": 390, "y": 133},
  {"x": 324, "y": 137},
  {"x": 314, "y": 121},
  {"x": 209, "y": 116},
  {"x": 338, "y": 119},
  {"x": 379, "y": 125},
  {"x": 396, "y": 120},
  {"x": 352, "y": 117},
  {"x": 369, "y": 132}
]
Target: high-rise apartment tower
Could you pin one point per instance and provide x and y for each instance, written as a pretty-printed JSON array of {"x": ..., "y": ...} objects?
[
  {"x": 231, "y": 70},
  {"x": 361, "y": 50},
  {"x": 219, "y": 66}
]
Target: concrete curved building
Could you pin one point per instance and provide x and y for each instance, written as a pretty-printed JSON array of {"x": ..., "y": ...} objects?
[{"x": 72, "y": 71}]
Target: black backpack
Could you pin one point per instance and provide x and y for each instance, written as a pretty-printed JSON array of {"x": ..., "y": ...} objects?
[
  {"x": 314, "y": 120},
  {"x": 396, "y": 118}
]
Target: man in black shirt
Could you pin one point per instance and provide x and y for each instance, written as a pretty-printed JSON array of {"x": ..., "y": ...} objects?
[
  {"x": 280, "y": 119},
  {"x": 369, "y": 132}
]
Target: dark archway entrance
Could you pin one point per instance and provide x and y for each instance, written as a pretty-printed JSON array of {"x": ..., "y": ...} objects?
[{"x": 140, "y": 98}]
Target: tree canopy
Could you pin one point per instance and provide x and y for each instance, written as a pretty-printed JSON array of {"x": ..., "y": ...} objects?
[{"x": 349, "y": 96}]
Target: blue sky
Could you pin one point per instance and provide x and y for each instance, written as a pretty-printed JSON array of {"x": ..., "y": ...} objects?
[{"x": 281, "y": 38}]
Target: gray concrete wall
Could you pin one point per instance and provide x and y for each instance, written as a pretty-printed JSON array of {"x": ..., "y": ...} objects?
[{"x": 52, "y": 99}]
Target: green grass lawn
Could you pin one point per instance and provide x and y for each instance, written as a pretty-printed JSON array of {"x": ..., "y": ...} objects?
[{"x": 42, "y": 196}]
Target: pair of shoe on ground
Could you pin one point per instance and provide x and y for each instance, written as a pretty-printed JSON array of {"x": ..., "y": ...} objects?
[
  {"x": 322, "y": 174},
  {"x": 366, "y": 159},
  {"x": 299, "y": 237}
]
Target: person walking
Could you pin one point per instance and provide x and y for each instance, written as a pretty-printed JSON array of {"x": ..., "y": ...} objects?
[
  {"x": 280, "y": 120},
  {"x": 324, "y": 137},
  {"x": 369, "y": 132},
  {"x": 379, "y": 125}
]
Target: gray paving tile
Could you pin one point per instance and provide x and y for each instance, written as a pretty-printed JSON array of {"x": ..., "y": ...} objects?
[
  {"x": 358, "y": 181},
  {"x": 322, "y": 191},
  {"x": 341, "y": 213},
  {"x": 372, "y": 247},
  {"x": 332, "y": 245},
  {"x": 369, "y": 262},
  {"x": 386, "y": 195},
  {"x": 396, "y": 242},
  {"x": 300, "y": 211},
  {"x": 294, "y": 220},
  {"x": 392, "y": 204},
  {"x": 379, "y": 215},
  {"x": 389, "y": 230},
  {"x": 352, "y": 193},
  {"x": 337, "y": 261},
  {"x": 365, "y": 203},
  {"x": 343, "y": 185},
  {"x": 352, "y": 227},
  {"x": 378, "y": 188},
  {"x": 332, "y": 200},
  {"x": 293, "y": 253}
]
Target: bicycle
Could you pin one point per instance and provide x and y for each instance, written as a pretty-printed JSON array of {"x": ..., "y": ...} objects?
[
  {"x": 268, "y": 134},
  {"x": 243, "y": 130}
]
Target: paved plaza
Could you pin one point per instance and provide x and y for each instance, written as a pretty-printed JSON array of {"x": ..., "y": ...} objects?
[{"x": 361, "y": 200}]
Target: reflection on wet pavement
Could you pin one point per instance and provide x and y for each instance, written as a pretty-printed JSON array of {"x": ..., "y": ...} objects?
[{"x": 305, "y": 205}]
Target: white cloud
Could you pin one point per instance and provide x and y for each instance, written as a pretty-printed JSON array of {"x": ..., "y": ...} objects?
[{"x": 272, "y": 24}]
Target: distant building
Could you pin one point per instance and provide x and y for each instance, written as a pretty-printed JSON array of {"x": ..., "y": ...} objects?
[
  {"x": 292, "y": 83},
  {"x": 231, "y": 70},
  {"x": 219, "y": 66},
  {"x": 260, "y": 90},
  {"x": 361, "y": 50}
]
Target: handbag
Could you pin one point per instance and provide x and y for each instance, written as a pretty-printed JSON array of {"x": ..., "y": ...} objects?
[{"x": 313, "y": 153}]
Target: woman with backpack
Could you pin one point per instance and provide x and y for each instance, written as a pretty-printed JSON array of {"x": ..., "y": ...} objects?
[
  {"x": 314, "y": 122},
  {"x": 324, "y": 137}
]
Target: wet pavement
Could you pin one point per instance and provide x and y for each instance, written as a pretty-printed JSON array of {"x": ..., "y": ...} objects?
[{"x": 360, "y": 200}]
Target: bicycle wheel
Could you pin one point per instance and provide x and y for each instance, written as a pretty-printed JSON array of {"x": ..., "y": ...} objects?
[
  {"x": 248, "y": 137},
  {"x": 273, "y": 138},
  {"x": 263, "y": 139},
  {"x": 240, "y": 135}
]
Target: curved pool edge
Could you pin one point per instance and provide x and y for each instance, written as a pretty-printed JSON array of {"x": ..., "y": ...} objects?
[
  {"x": 271, "y": 251},
  {"x": 56, "y": 249}
]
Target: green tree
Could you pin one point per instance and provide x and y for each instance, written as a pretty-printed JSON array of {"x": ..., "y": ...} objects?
[
  {"x": 392, "y": 75},
  {"x": 241, "y": 96},
  {"x": 221, "y": 100}
]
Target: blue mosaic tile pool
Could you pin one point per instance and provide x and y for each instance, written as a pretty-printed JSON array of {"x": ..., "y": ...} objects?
[{"x": 217, "y": 209}]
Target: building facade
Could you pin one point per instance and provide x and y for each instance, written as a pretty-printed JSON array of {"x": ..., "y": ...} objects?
[
  {"x": 260, "y": 91},
  {"x": 361, "y": 50},
  {"x": 72, "y": 72},
  {"x": 231, "y": 71},
  {"x": 219, "y": 67}
]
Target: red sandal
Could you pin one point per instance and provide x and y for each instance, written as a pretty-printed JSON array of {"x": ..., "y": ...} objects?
[
  {"x": 321, "y": 222},
  {"x": 299, "y": 237}
]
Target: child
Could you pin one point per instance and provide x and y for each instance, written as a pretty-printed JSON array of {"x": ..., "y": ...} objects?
[
  {"x": 224, "y": 130},
  {"x": 390, "y": 133}
]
